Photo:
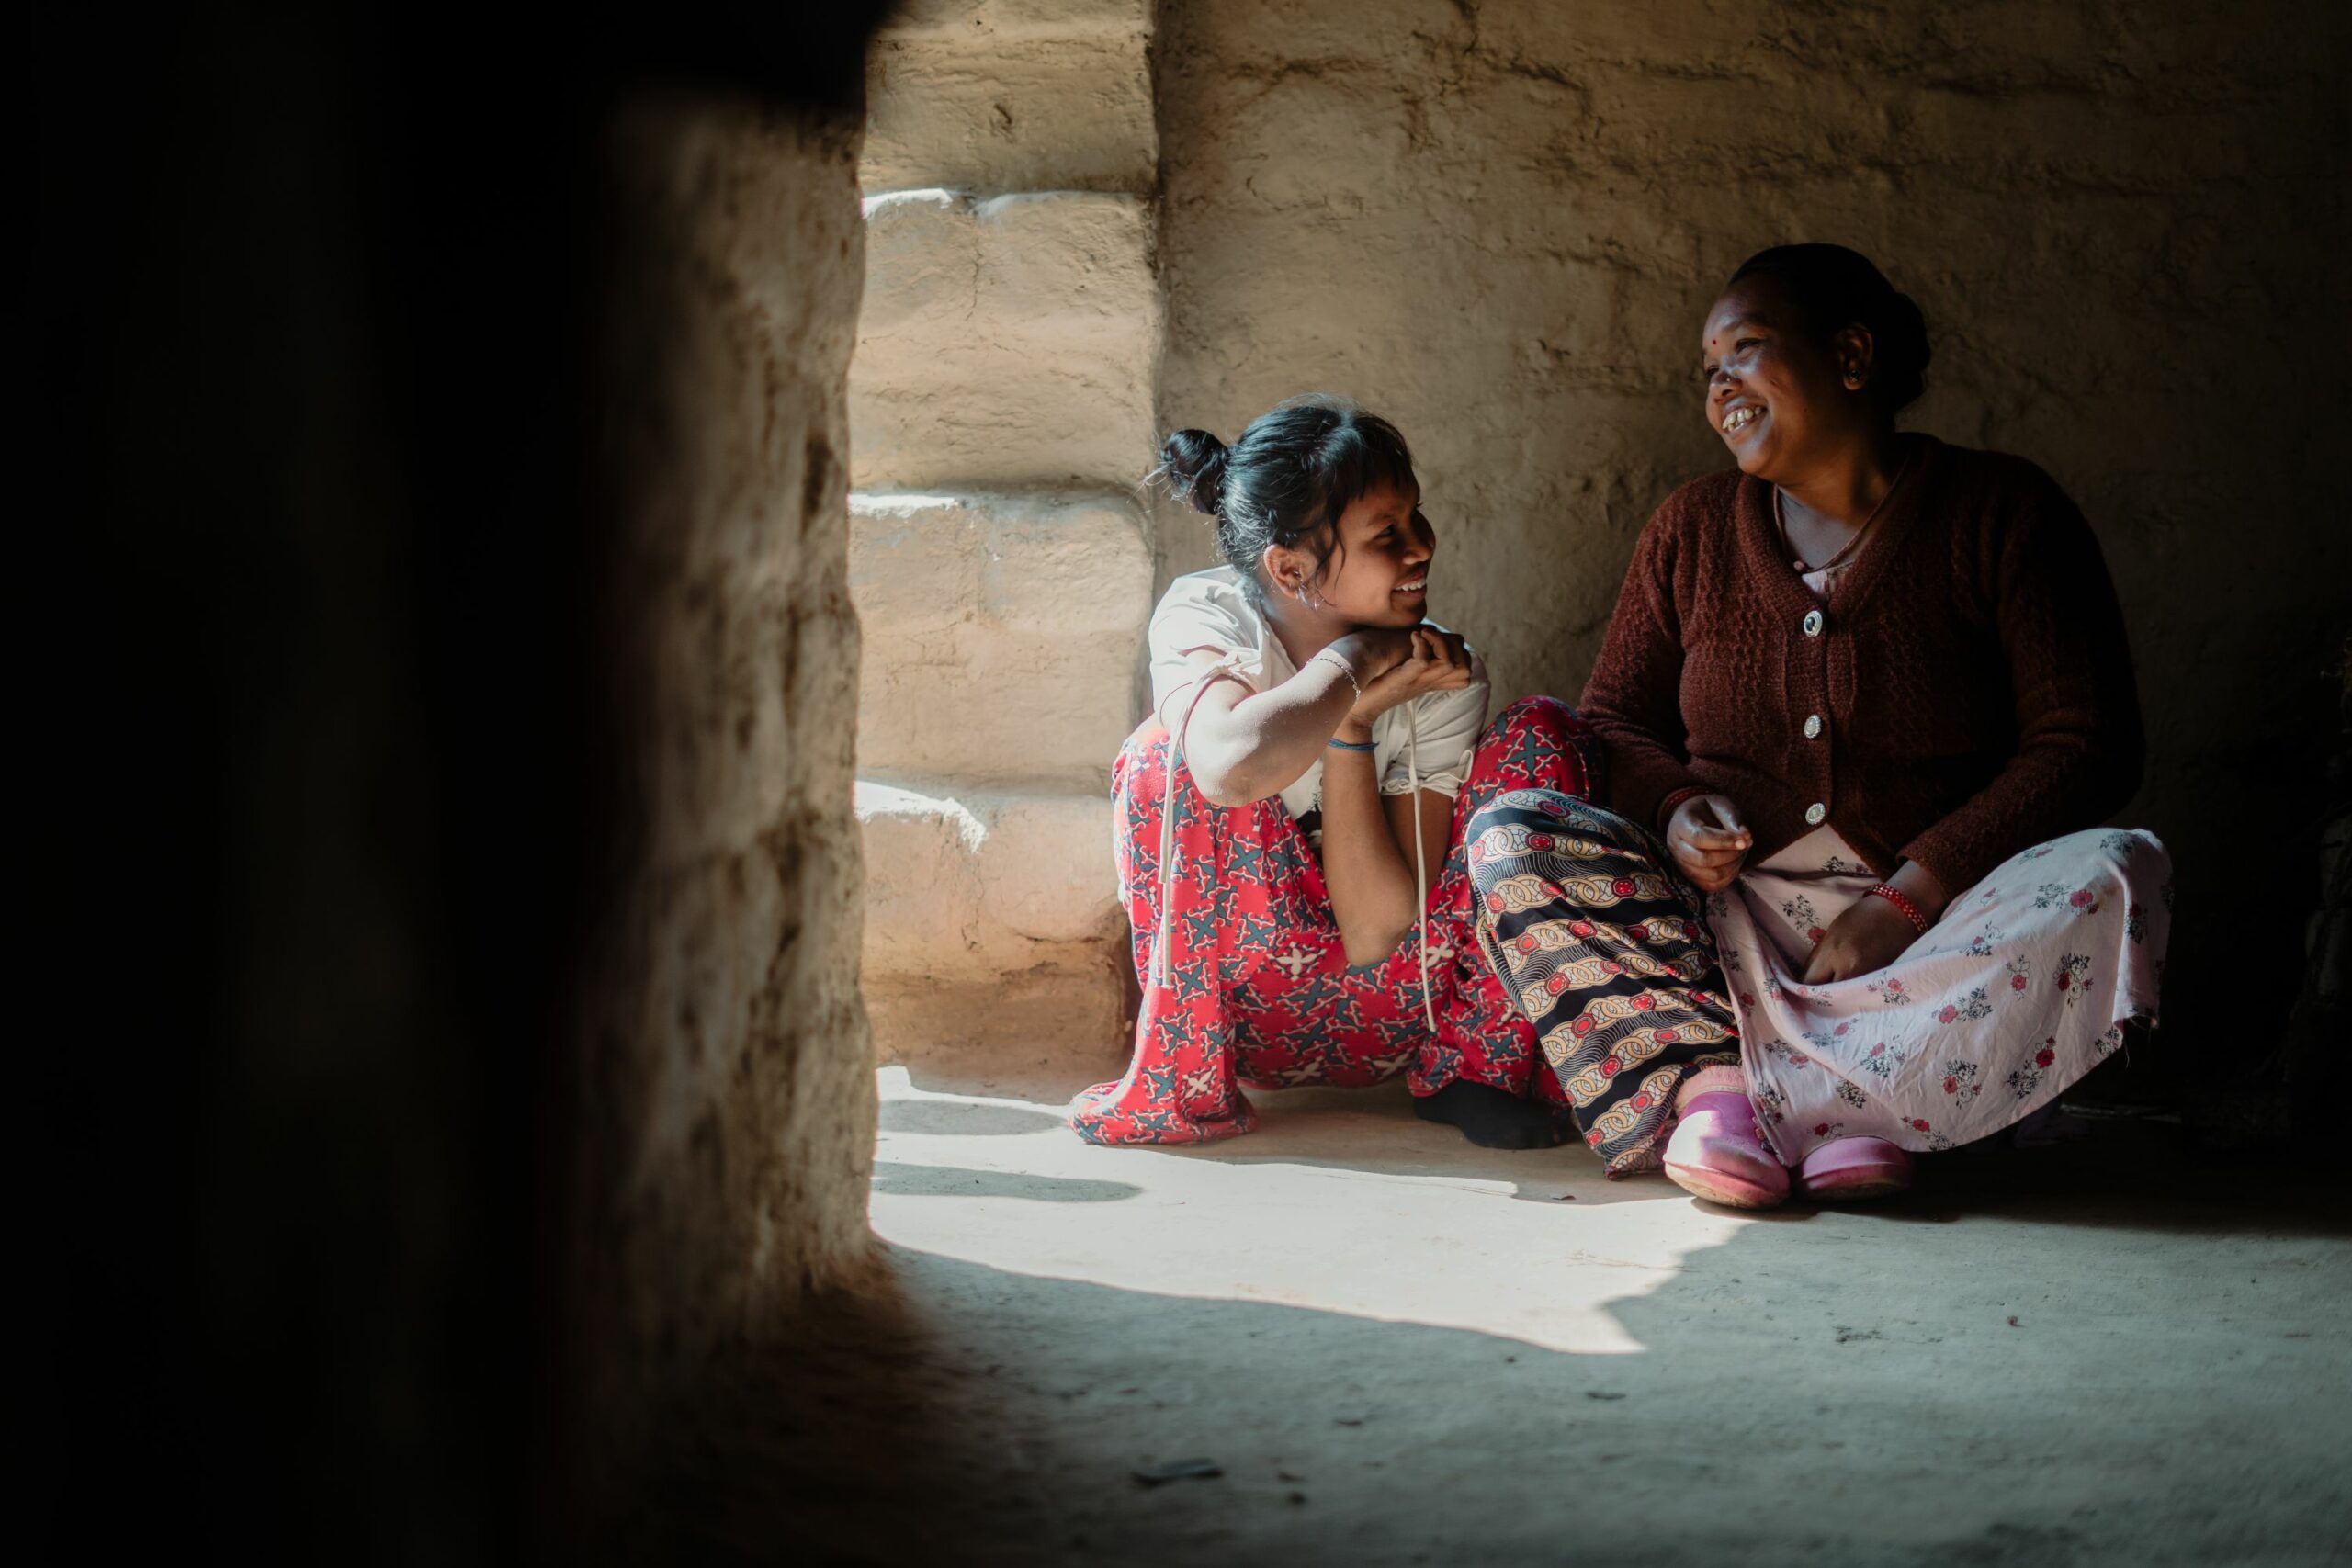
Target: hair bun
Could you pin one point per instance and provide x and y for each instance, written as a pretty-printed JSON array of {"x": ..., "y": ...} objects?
[{"x": 1193, "y": 464}]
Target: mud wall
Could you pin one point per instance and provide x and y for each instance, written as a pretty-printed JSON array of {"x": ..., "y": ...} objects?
[
  {"x": 729, "y": 1082},
  {"x": 1003, "y": 382},
  {"x": 396, "y": 660}
]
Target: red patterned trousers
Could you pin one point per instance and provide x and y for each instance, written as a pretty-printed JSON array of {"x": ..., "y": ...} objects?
[{"x": 1257, "y": 989}]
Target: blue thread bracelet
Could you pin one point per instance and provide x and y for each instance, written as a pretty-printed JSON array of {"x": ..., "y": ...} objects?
[{"x": 1351, "y": 745}]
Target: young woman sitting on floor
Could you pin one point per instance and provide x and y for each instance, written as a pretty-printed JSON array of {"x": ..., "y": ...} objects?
[
  {"x": 1865, "y": 698},
  {"x": 1289, "y": 819}
]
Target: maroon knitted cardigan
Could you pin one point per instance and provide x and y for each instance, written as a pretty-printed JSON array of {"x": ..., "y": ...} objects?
[{"x": 1970, "y": 669}]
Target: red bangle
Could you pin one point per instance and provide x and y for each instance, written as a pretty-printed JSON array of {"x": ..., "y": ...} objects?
[
  {"x": 1666, "y": 808},
  {"x": 1902, "y": 901}
]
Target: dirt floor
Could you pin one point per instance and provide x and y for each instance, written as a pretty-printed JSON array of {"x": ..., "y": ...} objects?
[{"x": 1396, "y": 1348}]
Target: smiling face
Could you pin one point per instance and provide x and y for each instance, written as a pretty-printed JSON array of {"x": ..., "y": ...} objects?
[
  {"x": 1782, "y": 399},
  {"x": 1377, "y": 571}
]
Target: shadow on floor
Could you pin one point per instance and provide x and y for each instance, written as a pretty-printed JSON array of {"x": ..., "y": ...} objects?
[
  {"x": 2096, "y": 1352},
  {"x": 2026, "y": 1387},
  {"x": 2131, "y": 1174},
  {"x": 959, "y": 1181},
  {"x": 2118, "y": 1175},
  {"x": 964, "y": 1119}
]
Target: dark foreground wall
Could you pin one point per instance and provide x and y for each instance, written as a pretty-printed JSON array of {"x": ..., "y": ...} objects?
[
  {"x": 441, "y": 853},
  {"x": 729, "y": 1079},
  {"x": 2126, "y": 222}
]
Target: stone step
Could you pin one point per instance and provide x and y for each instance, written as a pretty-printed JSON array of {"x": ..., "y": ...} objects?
[
  {"x": 981, "y": 96},
  {"x": 990, "y": 918},
  {"x": 1001, "y": 634},
  {"x": 1006, "y": 342}
]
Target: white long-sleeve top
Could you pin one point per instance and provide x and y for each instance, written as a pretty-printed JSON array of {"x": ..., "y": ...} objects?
[{"x": 1210, "y": 609}]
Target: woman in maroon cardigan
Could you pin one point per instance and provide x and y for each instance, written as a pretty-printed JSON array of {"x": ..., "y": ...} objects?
[{"x": 1864, "y": 699}]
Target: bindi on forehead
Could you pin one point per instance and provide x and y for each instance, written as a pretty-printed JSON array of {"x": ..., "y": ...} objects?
[{"x": 1736, "y": 317}]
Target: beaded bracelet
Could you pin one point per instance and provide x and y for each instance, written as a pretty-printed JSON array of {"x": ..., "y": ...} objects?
[
  {"x": 1345, "y": 668},
  {"x": 1902, "y": 901},
  {"x": 1352, "y": 745}
]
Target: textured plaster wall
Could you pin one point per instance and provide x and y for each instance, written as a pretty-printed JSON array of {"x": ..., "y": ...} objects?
[
  {"x": 1000, "y": 96},
  {"x": 1007, "y": 340},
  {"x": 731, "y": 1082},
  {"x": 1499, "y": 223},
  {"x": 1002, "y": 386}
]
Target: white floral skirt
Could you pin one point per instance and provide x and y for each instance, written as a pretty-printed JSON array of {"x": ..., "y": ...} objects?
[{"x": 2022, "y": 987}]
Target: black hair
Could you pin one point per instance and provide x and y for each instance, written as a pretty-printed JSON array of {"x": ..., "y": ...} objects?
[
  {"x": 1294, "y": 470},
  {"x": 1834, "y": 288}
]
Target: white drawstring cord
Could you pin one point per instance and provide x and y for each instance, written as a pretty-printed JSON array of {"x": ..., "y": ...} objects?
[{"x": 1420, "y": 865}]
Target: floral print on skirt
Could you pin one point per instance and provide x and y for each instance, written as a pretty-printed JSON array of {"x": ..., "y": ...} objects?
[
  {"x": 2022, "y": 987},
  {"x": 1257, "y": 989}
]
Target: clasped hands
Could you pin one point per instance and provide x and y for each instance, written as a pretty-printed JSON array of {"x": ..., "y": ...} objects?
[
  {"x": 1710, "y": 845},
  {"x": 1394, "y": 665}
]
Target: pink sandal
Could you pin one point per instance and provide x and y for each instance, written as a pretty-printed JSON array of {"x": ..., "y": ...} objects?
[
  {"x": 1716, "y": 1153},
  {"x": 1848, "y": 1170}
]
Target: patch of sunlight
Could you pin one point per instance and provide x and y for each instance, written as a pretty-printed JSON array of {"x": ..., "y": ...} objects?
[
  {"x": 918, "y": 196},
  {"x": 1364, "y": 1212},
  {"x": 900, "y": 502},
  {"x": 869, "y": 800}
]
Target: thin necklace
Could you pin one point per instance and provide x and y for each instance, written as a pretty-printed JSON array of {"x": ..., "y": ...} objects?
[{"x": 1780, "y": 521}]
